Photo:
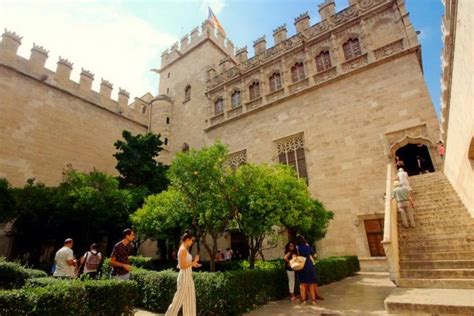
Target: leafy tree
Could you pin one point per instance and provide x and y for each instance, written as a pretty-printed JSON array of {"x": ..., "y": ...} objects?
[
  {"x": 205, "y": 182},
  {"x": 7, "y": 201},
  {"x": 136, "y": 162}
]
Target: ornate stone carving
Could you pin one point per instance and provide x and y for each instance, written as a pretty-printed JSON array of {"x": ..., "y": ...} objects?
[
  {"x": 300, "y": 85},
  {"x": 217, "y": 119},
  {"x": 237, "y": 159},
  {"x": 234, "y": 112},
  {"x": 355, "y": 63},
  {"x": 292, "y": 143},
  {"x": 389, "y": 49},
  {"x": 325, "y": 75}
]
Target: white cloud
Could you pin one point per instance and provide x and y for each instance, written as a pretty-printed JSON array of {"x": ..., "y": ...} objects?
[
  {"x": 215, "y": 5},
  {"x": 101, "y": 37}
]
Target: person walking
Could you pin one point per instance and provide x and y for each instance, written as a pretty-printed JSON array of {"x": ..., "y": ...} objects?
[
  {"x": 65, "y": 262},
  {"x": 91, "y": 262},
  {"x": 402, "y": 176},
  {"x": 306, "y": 276},
  {"x": 290, "y": 251},
  {"x": 185, "y": 296},
  {"x": 403, "y": 197},
  {"x": 119, "y": 257},
  {"x": 441, "y": 149}
]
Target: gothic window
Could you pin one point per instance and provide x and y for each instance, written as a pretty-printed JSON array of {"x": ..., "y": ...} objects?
[
  {"x": 297, "y": 72},
  {"x": 323, "y": 61},
  {"x": 219, "y": 106},
  {"x": 291, "y": 152},
  {"x": 235, "y": 99},
  {"x": 275, "y": 82},
  {"x": 254, "y": 90},
  {"x": 351, "y": 48},
  {"x": 187, "y": 93},
  {"x": 237, "y": 159},
  {"x": 374, "y": 231},
  {"x": 167, "y": 120}
]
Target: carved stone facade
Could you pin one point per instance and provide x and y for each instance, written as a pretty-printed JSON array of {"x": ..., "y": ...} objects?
[{"x": 341, "y": 121}]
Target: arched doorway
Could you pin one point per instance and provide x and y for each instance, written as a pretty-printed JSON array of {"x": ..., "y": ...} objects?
[{"x": 416, "y": 159}]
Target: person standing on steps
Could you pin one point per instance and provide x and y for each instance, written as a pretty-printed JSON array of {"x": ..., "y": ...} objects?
[
  {"x": 404, "y": 201},
  {"x": 402, "y": 177},
  {"x": 185, "y": 296}
]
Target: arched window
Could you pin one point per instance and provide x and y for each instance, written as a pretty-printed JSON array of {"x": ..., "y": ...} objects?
[
  {"x": 351, "y": 48},
  {"x": 187, "y": 93},
  {"x": 254, "y": 90},
  {"x": 297, "y": 72},
  {"x": 219, "y": 106},
  {"x": 275, "y": 82},
  {"x": 323, "y": 61},
  {"x": 235, "y": 99}
]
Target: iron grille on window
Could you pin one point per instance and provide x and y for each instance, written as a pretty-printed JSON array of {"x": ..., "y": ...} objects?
[
  {"x": 275, "y": 82},
  {"x": 254, "y": 90},
  {"x": 323, "y": 61},
  {"x": 297, "y": 72},
  {"x": 352, "y": 48},
  {"x": 237, "y": 159}
]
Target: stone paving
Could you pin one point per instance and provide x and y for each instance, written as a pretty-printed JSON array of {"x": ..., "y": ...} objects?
[{"x": 362, "y": 294}]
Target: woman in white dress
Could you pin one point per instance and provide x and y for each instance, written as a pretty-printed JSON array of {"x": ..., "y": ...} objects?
[{"x": 185, "y": 295}]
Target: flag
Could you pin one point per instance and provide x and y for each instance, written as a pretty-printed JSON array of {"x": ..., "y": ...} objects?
[{"x": 213, "y": 19}]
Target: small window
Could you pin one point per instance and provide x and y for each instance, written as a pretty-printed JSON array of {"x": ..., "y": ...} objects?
[
  {"x": 167, "y": 120},
  {"x": 352, "y": 48},
  {"x": 254, "y": 90},
  {"x": 297, "y": 72},
  {"x": 275, "y": 82},
  {"x": 219, "y": 106},
  {"x": 187, "y": 93},
  {"x": 168, "y": 74},
  {"x": 291, "y": 152},
  {"x": 166, "y": 141},
  {"x": 167, "y": 90},
  {"x": 235, "y": 99},
  {"x": 323, "y": 61},
  {"x": 143, "y": 109}
]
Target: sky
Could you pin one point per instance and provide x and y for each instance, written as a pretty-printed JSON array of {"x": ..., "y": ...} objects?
[{"x": 121, "y": 40}]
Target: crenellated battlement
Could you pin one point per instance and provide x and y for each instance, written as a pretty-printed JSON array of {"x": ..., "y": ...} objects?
[
  {"x": 188, "y": 42},
  {"x": 34, "y": 68}
]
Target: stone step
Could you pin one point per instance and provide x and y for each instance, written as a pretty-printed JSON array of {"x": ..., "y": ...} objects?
[
  {"x": 439, "y": 241},
  {"x": 447, "y": 255},
  {"x": 434, "y": 230},
  {"x": 456, "y": 214},
  {"x": 436, "y": 283},
  {"x": 430, "y": 249},
  {"x": 416, "y": 301},
  {"x": 438, "y": 264},
  {"x": 459, "y": 235},
  {"x": 437, "y": 273}
]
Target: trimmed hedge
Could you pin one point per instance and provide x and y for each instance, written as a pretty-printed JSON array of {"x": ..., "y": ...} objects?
[
  {"x": 49, "y": 296},
  {"x": 13, "y": 275},
  {"x": 336, "y": 268}
]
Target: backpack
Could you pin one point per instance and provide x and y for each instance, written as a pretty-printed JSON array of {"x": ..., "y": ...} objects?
[{"x": 93, "y": 260}]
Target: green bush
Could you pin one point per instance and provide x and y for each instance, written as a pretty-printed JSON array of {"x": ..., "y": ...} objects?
[
  {"x": 336, "y": 268},
  {"x": 13, "y": 275},
  {"x": 142, "y": 262},
  {"x": 49, "y": 296}
]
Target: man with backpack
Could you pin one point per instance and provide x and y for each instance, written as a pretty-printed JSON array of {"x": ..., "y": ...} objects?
[{"x": 91, "y": 262}]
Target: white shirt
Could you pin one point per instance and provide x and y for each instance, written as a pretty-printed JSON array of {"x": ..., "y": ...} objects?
[
  {"x": 403, "y": 178},
  {"x": 63, "y": 269}
]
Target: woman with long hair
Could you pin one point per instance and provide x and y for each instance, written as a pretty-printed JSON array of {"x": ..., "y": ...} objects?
[
  {"x": 306, "y": 276},
  {"x": 185, "y": 295},
  {"x": 290, "y": 251}
]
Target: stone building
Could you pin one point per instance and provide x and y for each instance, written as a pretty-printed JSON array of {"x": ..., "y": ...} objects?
[{"x": 338, "y": 100}]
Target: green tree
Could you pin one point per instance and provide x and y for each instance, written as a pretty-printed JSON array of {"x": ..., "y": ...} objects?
[
  {"x": 7, "y": 201},
  {"x": 206, "y": 184},
  {"x": 136, "y": 162}
]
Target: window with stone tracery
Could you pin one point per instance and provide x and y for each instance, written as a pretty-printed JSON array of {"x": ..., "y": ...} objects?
[
  {"x": 237, "y": 159},
  {"x": 254, "y": 90},
  {"x": 291, "y": 152},
  {"x": 219, "y": 106},
  {"x": 235, "y": 99},
  {"x": 323, "y": 61},
  {"x": 351, "y": 48},
  {"x": 275, "y": 82},
  {"x": 297, "y": 72}
]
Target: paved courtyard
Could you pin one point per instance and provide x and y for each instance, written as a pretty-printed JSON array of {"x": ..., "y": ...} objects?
[{"x": 362, "y": 294}]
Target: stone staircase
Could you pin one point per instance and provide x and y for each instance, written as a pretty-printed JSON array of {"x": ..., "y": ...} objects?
[{"x": 437, "y": 254}]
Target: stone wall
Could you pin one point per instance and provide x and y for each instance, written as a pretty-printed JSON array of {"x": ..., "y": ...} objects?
[{"x": 458, "y": 95}]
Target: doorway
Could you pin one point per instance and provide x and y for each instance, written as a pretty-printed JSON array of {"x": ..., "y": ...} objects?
[
  {"x": 238, "y": 244},
  {"x": 416, "y": 159}
]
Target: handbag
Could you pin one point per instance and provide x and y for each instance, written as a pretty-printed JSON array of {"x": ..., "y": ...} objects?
[{"x": 297, "y": 263}]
